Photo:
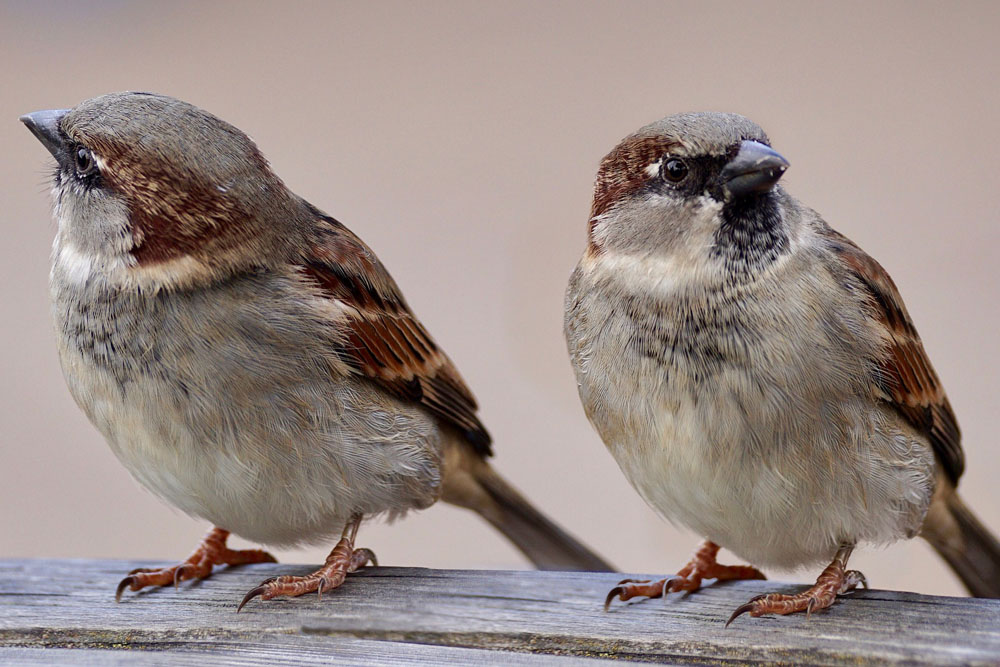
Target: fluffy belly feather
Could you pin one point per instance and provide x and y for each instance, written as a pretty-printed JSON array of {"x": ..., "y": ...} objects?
[
  {"x": 775, "y": 489},
  {"x": 275, "y": 474},
  {"x": 739, "y": 425},
  {"x": 237, "y": 418}
]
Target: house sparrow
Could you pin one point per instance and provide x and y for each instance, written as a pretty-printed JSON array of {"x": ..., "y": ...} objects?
[
  {"x": 246, "y": 356},
  {"x": 755, "y": 374}
]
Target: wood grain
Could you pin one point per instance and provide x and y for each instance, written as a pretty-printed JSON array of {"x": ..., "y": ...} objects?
[{"x": 389, "y": 615}]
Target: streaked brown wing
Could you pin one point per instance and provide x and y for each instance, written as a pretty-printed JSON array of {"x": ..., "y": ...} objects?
[
  {"x": 907, "y": 378},
  {"x": 386, "y": 342}
]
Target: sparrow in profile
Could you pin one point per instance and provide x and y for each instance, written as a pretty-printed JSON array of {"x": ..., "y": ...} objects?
[
  {"x": 246, "y": 356},
  {"x": 755, "y": 374}
]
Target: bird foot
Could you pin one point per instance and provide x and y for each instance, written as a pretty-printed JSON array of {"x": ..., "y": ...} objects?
[
  {"x": 343, "y": 559},
  {"x": 211, "y": 551},
  {"x": 835, "y": 580},
  {"x": 701, "y": 566}
]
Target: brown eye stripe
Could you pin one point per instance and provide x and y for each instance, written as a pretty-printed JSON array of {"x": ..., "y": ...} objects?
[
  {"x": 170, "y": 220},
  {"x": 623, "y": 170}
]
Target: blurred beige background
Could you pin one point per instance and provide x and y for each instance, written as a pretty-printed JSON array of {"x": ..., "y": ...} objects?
[{"x": 460, "y": 141}]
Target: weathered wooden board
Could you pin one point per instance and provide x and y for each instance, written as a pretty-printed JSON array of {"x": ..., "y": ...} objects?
[
  {"x": 277, "y": 650},
  {"x": 387, "y": 615}
]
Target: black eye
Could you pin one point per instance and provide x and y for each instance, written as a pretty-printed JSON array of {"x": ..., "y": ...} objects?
[
  {"x": 84, "y": 161},
  {"x": 674, "y": 170}
]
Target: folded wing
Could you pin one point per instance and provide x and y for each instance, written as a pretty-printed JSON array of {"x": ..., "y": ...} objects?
[
  {"x": 907, "y": 379},
  {"x": 384, "y": 340}
]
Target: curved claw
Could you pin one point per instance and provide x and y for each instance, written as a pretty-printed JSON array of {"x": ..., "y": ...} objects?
[
  {"x": 810, "y": 606},
  {"x": 260, "y": 590},
  {"x": 122, "y": 585},
  {"x": 178, "y": 573},
  {"x": 862, "y": 579},
  {"x": 616, "y": 591},
  {"x": 667, "y": 581},
  {"x": 742, "y": 609}
]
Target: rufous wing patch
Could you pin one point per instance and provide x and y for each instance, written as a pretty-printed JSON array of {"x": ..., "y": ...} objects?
[
  {"x": 907, "y": 378},
  {"x": 384, "y": 340}
]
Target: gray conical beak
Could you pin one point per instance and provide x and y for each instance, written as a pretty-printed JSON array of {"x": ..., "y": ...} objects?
[
  {"x": 756, "y": 168},
  {"x": 45, "y": 126}
]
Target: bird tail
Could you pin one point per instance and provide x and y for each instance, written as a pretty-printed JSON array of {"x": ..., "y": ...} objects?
[
  {"x": 968, "y": 546},
  {"x": 472, "y": 483}
]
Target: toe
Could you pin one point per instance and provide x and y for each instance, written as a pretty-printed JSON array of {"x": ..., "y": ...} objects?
[
  {"x": 853, "y": 579},
  {"x": 360, "y": 558},
  {"x": 633, "y": 581}
]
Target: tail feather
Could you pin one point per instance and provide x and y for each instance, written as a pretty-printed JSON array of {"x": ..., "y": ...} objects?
[
  {"x": 968, "y": 546},
  {"x": 473, "y": 484},
  {"x": 547, "y": 545}
]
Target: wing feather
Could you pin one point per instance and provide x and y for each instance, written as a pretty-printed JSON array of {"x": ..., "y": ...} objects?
[
  {"x": 906, "y": 378},
  {"x": 384, "y": 341}
]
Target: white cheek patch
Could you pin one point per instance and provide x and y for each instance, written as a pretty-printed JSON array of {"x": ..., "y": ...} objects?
[
  {"x": 76, "y": 266},
  {"x": 650, "y": 274},
  {"x": 178, "y": 272},
  {"x": 664, "y": 272}
]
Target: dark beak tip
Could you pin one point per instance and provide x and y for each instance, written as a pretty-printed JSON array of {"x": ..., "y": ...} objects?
[
  {"x": 45, "y": 126},
  {"x": 756, "y": 168},
  {"x": 44, "y": 117}
]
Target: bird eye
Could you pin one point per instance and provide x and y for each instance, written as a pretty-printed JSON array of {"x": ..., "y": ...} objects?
[
  {"x": 674, "y": 170},
  {"x": 84, "y": 161}
]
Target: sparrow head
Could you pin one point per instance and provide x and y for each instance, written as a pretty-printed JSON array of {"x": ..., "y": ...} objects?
[
  {"x": 697, "y": 180},
  {"x": 151, "y": 189}
]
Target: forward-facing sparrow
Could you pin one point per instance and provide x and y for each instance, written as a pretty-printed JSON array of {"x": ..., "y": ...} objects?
[
  {"x": 756, "y": 374},
  {"x": 246, "y": 356}
]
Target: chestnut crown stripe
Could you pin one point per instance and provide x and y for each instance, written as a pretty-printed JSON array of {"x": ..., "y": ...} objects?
[
  {"x": 384, "y": 340},
  {"x": 623, "y": 170},
  {"x": 193, "y": 218},
  {"x": 906, "y": 376}
]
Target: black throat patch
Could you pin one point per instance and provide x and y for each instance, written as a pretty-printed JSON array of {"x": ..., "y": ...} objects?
[{"x": 751, "y": 235}]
